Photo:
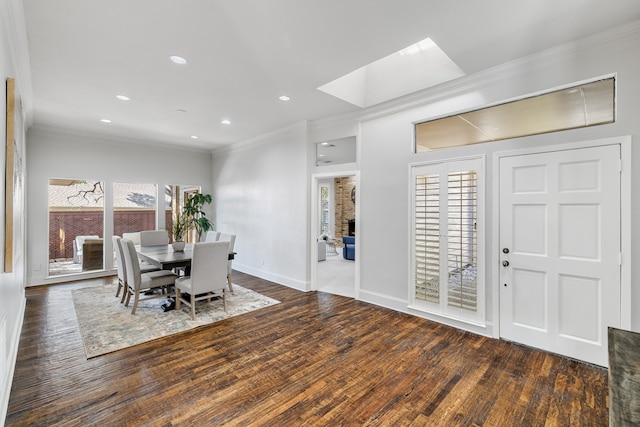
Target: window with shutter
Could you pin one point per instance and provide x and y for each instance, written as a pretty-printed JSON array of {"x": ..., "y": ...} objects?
[{"x": 446, "y": 215}]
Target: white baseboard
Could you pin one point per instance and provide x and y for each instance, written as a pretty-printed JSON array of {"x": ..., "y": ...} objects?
[
  {"x": 8, "y": 367},
  {"x": 276, "y": 278},
  {"x": 401, "y": 305}
]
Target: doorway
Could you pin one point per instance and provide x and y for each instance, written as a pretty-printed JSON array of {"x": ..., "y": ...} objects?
[
  {"x": 334, "y": 216},
  {"x": 560, "y": 249}
]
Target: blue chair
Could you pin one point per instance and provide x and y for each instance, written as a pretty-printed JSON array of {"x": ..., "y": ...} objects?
[{"x": 349, "y": 249}]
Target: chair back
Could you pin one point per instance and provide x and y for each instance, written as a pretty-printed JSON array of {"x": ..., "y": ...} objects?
[
  {"x": 131, "y": 263},
  {"x": 212, "y": 236},
  {"x": 231, "y": 238},
  {"x": 134, "y": 237},
  {"x": 154, "y": 238},
  {"x": 80, "y": 240},
  {"x": 209, "y": 266},
  {"x": 122, "y": 268}
]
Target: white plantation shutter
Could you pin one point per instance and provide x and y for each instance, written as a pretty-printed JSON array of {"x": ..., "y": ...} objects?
[
  {"x": 462, "y": 240},
  {"x": 445, "y": 239},
  {"x": 427, "y": 238}
]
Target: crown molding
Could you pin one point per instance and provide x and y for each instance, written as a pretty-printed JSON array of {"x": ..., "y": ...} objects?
[
  {"x": 266, "y": 138},
  {"x": 44, "y": 131},
  {"x": 614, "y": 39}
]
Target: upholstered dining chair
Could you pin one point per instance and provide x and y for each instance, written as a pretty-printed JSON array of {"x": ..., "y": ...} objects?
[
  {"x": 140, "y": 283},
  {"x": 231, "y": 238},
  {"x": 133, "y": 236},
  {"x": 208, "y": 276},
  {"x": 212, "y": 236},
  {"x": 122, "y": 268},
  {"x": 122, "y": 275},
  {"x": 154, "y": 237}
]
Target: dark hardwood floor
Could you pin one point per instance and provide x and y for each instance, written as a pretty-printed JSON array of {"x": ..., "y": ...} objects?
[{"x": 314, "y": 359}]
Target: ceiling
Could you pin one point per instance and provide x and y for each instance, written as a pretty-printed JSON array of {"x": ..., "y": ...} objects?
[{"x": 242, "y": 55}]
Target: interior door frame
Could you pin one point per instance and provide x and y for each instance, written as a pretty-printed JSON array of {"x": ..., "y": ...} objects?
[
  {"x": 625, "y": 220},
  {"x": 315, "y": 225}
]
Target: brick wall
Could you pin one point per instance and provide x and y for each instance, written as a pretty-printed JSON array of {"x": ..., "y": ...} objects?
[
  {"x": 65, "y": 226},
  {"x": 345, "y": 207}
]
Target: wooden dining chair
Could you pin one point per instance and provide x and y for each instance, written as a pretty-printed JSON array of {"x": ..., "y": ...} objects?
[
  {"x": 208, "y": 277},
  {"x": 141, "y": 283}
]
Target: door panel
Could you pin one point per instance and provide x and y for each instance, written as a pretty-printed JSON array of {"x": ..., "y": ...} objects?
[{"x": 560, "y": 221}]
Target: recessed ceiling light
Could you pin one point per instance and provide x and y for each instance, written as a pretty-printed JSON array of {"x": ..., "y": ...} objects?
[
  {"x": 194, "y": 136},
  {"x": 105, "y": 120},
  {"x": 324, "y": 143},
  {"x": 178, "y": 59},
  {"x": 225, "y": 122},
  {"x": 123, "y": 97},
  {"x": 283, "y": 98}
]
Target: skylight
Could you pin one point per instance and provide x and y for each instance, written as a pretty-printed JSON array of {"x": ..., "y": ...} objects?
[{"x": 416, "y": 67}]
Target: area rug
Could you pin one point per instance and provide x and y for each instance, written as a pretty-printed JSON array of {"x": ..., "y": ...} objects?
[{"x": 107, "y": 326}]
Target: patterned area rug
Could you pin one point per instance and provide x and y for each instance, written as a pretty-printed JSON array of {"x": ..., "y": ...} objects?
[{"x": 107, "y": 326}]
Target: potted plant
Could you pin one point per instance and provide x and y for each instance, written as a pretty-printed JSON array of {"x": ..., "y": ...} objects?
[
  {"x": 196, "y": 217},
  {"x": 178, "y": 228}
]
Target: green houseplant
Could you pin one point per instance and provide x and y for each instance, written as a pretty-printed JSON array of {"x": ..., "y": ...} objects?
[
  {"x": 179, "y": 227},
  {"x": 194, "y": 214}
]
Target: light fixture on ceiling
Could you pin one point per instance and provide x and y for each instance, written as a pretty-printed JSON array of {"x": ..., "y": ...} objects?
[
  {"x": 123, "y": 97},
  {"x": 105, "y": 120},
  {"x": 225, "y": 122},
  {"x": 284, "y": 98},
  {"x": 178, "y": 60},
  {"x": 194, "y": 136}
]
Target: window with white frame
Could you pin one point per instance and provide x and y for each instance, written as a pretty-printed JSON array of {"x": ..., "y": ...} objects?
[
  {"x": 447, "y": 234},
  {"x": 325, "y": 228}
]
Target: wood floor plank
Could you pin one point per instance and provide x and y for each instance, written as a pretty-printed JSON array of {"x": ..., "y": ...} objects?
[{"x": 315, "y": 359}]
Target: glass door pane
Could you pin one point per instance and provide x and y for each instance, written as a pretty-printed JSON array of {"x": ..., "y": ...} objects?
[{"x": 76, "y": 226}]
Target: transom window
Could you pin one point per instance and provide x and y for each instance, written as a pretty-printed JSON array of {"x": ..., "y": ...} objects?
[{"x": 584, "y": 105}]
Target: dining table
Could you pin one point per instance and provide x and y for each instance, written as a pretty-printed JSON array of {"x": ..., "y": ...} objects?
[{"x": 165, "y": 258}]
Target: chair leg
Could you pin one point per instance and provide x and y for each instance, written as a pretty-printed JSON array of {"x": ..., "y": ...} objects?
[
  {"x": 193, "y": 307},
  {"x": 125, "y": 292},
  {"x": 135, "y": 302},
  {"x": 229, "y": 278},
  {"x": 128, "y": 293},
  {"x": 224, "y": 299},
  {"x": 178, "y": 305},
  {"x": 119, "y": 287}
]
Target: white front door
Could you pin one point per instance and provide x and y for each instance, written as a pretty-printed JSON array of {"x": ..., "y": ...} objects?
[{"x": 560, "y": 250}]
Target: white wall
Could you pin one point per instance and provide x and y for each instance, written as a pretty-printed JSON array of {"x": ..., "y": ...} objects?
[
  {"x": 261, "y": 196},
  {"x": 14, "y": 64},
  {"x": 385, "y": 153},
  {"x": 56, "y": 154}
]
